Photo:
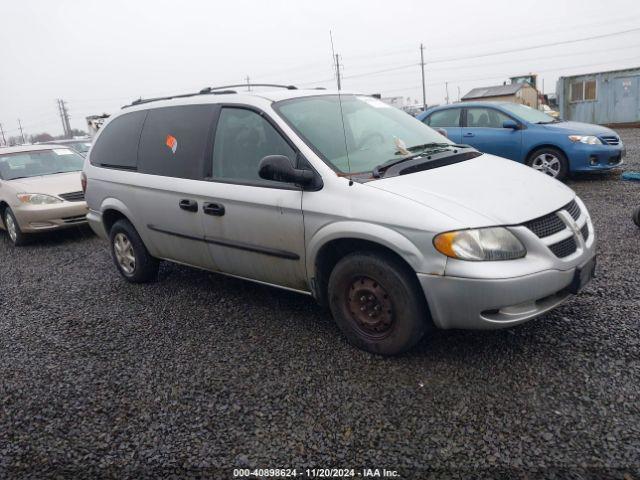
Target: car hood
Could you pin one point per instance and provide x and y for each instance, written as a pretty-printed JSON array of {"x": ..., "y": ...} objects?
[
  {"x": 483, "y": 191},
  {"x": 580, "y": 128},
  {"x": 48, "y": 184}
]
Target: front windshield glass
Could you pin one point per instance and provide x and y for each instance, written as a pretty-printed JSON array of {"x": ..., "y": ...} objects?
[
  {"x": 375, "y": 132},
  {"x": 39, "y": 162},
  {"x": 529, "y": 114}
]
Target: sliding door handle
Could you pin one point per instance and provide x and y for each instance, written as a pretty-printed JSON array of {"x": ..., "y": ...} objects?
[
  {"x": 215, "y": 209},
  {"x": 188, "y": 205}
]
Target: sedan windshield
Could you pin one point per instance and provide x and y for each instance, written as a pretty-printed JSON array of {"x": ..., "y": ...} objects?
[
  {"x": 39, "y": 162},
  {"x": 373, "y": 134},
  {"x": 528, "y": 114}
]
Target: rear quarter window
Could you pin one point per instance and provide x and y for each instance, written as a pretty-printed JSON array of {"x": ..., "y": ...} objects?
[
  {"x": 175, "y": 140},
  {"x": 117, "y": 145}
]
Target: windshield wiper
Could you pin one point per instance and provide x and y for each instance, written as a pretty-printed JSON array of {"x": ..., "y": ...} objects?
[{"x": 420, "y": 150}]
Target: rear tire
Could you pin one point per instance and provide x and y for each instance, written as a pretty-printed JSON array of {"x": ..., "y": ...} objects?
[
  {"x": 636, "y": 216},
  {"x": 131, "y": 257},
  {"x": 13, "y": 229},
  {"x": 549, "y": 161},
  {"x": 377, "y": 303}
]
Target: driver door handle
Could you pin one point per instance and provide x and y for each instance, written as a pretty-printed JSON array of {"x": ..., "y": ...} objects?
[
  {"x": 469, "y": 134},
  {"x": 215, "y": 209},
  {"x": 188, "y": 205}
]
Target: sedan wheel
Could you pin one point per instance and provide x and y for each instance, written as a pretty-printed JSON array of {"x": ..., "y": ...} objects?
[
  {"x": 125, "y": 255},
  {"x": 11, "y": 227},
  {"x": 548, "y": 164}
]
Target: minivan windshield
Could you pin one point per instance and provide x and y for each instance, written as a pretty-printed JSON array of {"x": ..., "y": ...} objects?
[
  {"x": 528, "y": 114},
  {"x": 39, "y": 162},
  {"x": 374, "y": 133}
]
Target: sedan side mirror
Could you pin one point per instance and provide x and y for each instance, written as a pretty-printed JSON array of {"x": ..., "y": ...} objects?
[
  {"x": 512, "y": 124},
  {"x": 280, "y": 169},
  {"x": 442, "y": 132}
]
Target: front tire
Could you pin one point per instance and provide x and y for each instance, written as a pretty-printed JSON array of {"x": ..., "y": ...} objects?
[
  {"x": 13, "y": 229},
  {"x": 636, "y": 216},
  {"x": 131, "y": 257},
  {"x": 549, "y": 161},
  {"x": 377, "y": 303}
]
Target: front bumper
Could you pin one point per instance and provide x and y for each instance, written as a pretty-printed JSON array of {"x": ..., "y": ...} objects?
[
  {"x": 483, "y": 304},
  {"x": 589, "y": 158},
  {"x": 37, "y": 218}
]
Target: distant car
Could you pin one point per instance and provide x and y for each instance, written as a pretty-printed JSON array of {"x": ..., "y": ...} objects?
[
  {"x": 80, "y": 145},
  {"x": 517, "y": 132},
  {"x": 549, "y": 111},
  {"x": 40, "y": 190}
]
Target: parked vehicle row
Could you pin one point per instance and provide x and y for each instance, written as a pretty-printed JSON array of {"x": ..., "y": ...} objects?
[
  {"x": 40, "y": 190},
  {"x": 393, "y": 226},
  {"x": 529, "y": 136}
]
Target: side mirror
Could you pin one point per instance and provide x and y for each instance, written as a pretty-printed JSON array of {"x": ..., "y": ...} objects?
[
  {"x": 512, "y": 124},
  {"x": 280, "y": 169},
  {"x": 442, "y": 132}
]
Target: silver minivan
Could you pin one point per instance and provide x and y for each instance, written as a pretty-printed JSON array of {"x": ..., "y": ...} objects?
[{"x": 339, "y": 196}]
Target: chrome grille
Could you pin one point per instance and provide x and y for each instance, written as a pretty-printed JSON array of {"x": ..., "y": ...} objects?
[
  {"x": 564, "y": 248},
  {"x": 546, "y": 226},
  {"x": 585, "y": 232},
  {"x": 72, "y": 196},
  {"x": 573, "y": 209},
  {"x": 610, "y": 139},
  {"x": 551, "y": 224}
]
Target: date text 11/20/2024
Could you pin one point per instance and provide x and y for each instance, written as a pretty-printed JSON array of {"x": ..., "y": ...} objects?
[{"x": 315, "y": 473}]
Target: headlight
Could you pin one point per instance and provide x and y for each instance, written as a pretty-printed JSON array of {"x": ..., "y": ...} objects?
[
  {"x": 37, "y": 198},
  {"x": 588, "y": 139},
  {"x": 483, "y": 244}
]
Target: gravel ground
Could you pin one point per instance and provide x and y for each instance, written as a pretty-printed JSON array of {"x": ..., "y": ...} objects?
[{"x": 197, "y": 373}]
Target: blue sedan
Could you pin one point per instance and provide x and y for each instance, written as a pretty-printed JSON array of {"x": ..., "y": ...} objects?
[{"x": 526, "y": 135}]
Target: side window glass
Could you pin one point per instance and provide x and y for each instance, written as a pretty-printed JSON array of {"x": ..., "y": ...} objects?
[
  {"x": 117, "y": 145},
  {"x": 485, "y": 118},
  {"x": 243, "y": 138},
  {"x": 444, "y": 118},
  {"x": 174, "y": 141}
]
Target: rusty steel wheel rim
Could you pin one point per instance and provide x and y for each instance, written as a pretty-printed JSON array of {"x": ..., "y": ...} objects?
[{"x": 370, "y": 307}]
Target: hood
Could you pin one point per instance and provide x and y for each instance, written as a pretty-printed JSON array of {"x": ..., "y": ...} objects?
[
  {"x": 48, "y": 184},
  {"x": 483, "y": 191},
  {"x": 580, "y": 128}
]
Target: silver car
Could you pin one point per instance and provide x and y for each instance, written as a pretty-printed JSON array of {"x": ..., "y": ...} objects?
[
  {"x": 341, "y": 197},
  {"x": 40, "y": 190}
]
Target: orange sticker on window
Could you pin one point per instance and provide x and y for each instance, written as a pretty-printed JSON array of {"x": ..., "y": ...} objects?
[{"x": 172, "y": 143}]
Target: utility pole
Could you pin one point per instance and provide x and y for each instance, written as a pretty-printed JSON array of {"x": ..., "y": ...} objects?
[
  {"x": 338, "y": 71},
  {"x": 4, "y": 140},
  {"x": 424, "y": 90},
  {"x": 64, "y": 116},
  {"x": 248, "y": 83},
  {"x": 21, "y": 132},
  {"x": 458, "y": 93},
  {"x": 446, "y": 89}
]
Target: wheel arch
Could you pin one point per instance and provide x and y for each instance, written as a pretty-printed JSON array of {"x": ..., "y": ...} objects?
[
  {"x": 535, "y": 148},
  {"x": 332, "y": 243}
]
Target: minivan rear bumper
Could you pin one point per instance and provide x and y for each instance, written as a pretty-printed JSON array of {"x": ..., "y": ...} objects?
[
  {"x": 486, "y": 304},
  {"x": 95, "y": 222}
]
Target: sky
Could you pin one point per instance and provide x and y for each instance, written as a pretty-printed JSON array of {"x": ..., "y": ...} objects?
[{"x": 100, "y": 55}]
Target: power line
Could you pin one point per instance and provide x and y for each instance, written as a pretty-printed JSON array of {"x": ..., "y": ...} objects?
[{"x": 532, "y": 47}]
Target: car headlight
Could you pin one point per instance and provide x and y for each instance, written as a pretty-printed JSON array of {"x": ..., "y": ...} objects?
[
  {"x": 588, "y": 139},
  {"x": 37, "y": 198},
  {"x": 482, "y": 244}
]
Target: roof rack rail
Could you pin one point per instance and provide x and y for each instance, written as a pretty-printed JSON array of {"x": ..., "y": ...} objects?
[
  {"x": 140, "y": 101},
  {"x": 210, "y": 90},
  {"x": 274, "y": 85}
]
